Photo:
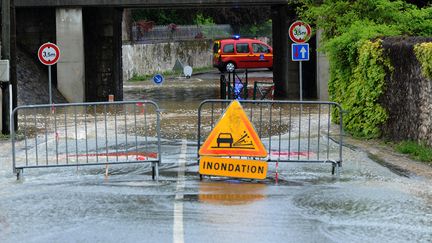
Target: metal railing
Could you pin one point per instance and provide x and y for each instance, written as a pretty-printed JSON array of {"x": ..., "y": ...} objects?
[
  {"x": 80, "y": 134},
  {"x": 180, "y": 32},
  {"x": 263, "y": 90},
  {"x": 291, "y": 131},
  {"x": 234, "y": 85}
]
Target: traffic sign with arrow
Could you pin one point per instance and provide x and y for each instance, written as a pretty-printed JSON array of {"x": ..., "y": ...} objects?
[{"x": 300, "y": 52}]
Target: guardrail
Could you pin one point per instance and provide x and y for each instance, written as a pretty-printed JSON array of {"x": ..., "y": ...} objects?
[
  {"x": 291, "y": 131},
  {"x": 82, "y": 134}
]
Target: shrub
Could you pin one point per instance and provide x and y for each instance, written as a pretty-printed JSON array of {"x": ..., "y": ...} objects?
[
  {"x": 351, "y": 32},
  {"x": 423, "y": 53}
]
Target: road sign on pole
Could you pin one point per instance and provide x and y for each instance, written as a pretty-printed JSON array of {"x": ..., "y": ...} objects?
[
  {"x": 49, "y": 54},
  {"x": 300, "y": 52},
  {"x": 300, "y": 32}
]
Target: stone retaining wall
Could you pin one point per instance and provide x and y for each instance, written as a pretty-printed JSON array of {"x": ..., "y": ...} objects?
[
  {"x": 142, "y": 59},
  {"x": 408, "y": 94}
]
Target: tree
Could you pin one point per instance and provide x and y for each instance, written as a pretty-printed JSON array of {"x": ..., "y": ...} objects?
[{"x": 236, "y": 17}]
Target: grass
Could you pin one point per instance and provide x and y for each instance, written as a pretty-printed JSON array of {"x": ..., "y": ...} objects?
[
  {"x": 4, "y": 137},
  {"x": 416, "y": 151},
  {"x": 138, "y": 78}
]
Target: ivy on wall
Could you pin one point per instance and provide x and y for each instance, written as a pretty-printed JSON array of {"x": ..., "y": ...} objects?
[
  {"x": 358, "y": 66},
  {"x": 364, "y": 89},
  {"x": 423, "y": 53},
  {"x": 357, "y": 76}
]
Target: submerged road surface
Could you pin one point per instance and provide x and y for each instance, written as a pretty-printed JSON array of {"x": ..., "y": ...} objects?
[{"x": 367, "y": 203}]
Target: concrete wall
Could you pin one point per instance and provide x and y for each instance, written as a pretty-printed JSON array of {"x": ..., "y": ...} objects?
[
  {"x": 70, "y": 68},
  {"x": 408, "y": 94},
  {"x": 35, "y": 26},
  {"x": 141, "y": 59}
]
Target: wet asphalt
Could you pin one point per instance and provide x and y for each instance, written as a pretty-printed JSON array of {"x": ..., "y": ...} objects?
[{"x": 367, "y": 203}]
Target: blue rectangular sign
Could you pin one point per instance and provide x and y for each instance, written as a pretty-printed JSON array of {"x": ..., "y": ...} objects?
[{"x": 300, "y": 52}]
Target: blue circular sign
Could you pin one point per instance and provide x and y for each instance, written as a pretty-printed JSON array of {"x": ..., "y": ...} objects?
[{"x": 158, "y": 79}]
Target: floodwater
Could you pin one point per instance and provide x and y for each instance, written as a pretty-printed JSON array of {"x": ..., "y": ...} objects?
[{"x": 367, "y": 203}]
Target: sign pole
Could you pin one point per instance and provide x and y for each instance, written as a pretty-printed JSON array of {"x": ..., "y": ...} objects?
[
  {"x": 49, "y": 85},
  {"x": 299, "y": 33},
  {"x": 11, "y": 107},
  {"x": 301, "y": 81},
  {"x": 49, "y": 54}
]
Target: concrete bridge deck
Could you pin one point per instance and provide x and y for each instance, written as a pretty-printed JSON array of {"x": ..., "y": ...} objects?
[{"x": 146, "y": 3}]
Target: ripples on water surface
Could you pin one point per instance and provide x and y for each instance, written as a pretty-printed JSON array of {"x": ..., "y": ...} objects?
[{"x": 368, "y": 203}]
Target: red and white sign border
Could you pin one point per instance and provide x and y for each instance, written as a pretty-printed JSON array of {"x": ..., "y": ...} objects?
[
  {"x": 291, "y": 32},
  {"x": 49, "y": 45}
]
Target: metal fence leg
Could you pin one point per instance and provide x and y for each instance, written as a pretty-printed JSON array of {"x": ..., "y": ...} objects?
[
  {"x": 336, "y": 168},
  {"x": 339, "y": 166},
  {"x": 19, "y": 172},
  {"x": 155, "y": 171}
]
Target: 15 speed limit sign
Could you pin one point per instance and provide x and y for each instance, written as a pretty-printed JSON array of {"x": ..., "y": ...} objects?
[{"x": 49, "y": 53}]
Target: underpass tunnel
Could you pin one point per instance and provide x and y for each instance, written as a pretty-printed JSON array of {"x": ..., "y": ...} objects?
[
  {"x": 91, "y": 42},
  {"x": 286, "y": 76}
]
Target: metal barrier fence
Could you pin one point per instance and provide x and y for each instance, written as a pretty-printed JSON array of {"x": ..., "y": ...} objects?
[
  {"x": 81, "y": 134},
  {"x": 291, "y": 131}
]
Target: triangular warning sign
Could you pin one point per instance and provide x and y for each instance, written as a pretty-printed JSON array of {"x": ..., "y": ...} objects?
[{"x": 233, "y": 135}]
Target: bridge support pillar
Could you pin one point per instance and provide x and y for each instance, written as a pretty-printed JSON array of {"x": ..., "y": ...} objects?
[
  {"x": 103, "y": 52},
  {"x": 70, "y": 68},
  {"x": 285, "y": 71}
]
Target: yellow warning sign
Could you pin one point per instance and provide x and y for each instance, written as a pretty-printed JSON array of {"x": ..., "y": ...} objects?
[
  {"x": 233, "y": 135},
  {"x": 253, "y": 169}
]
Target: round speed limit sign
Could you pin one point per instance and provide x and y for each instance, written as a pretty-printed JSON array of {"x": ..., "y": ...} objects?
[{"x": 49, "y": 54}]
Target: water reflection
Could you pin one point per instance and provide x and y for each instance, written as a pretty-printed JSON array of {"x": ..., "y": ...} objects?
[
  {"x": 230, "y": 192},
  {"x": 184, "y": 93}
]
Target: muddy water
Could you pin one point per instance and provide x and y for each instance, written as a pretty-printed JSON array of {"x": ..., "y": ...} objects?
[
  {"x": 368, "y": 203},
  {"x": 178, "y": 100}
]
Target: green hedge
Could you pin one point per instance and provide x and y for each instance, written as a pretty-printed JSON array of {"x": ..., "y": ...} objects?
[
  {"x": 358, "y": 67},
  {"x": 423, "y": 53},
  {"x": 362, "y": 91}
]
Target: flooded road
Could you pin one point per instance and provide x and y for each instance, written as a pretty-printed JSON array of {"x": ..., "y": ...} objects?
[{"x": 367, "y": 203}]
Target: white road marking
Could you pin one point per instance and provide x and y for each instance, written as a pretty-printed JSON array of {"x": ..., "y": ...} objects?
[{"x": 178, "y": 231}]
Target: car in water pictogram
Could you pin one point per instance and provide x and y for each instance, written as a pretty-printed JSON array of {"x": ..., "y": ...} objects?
[{"x": 225, "y": 138}]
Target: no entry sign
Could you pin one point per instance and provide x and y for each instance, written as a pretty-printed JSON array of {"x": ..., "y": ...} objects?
[
  {"x": 49, "y": 54},
  {"x": 300, "y": 32}
]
